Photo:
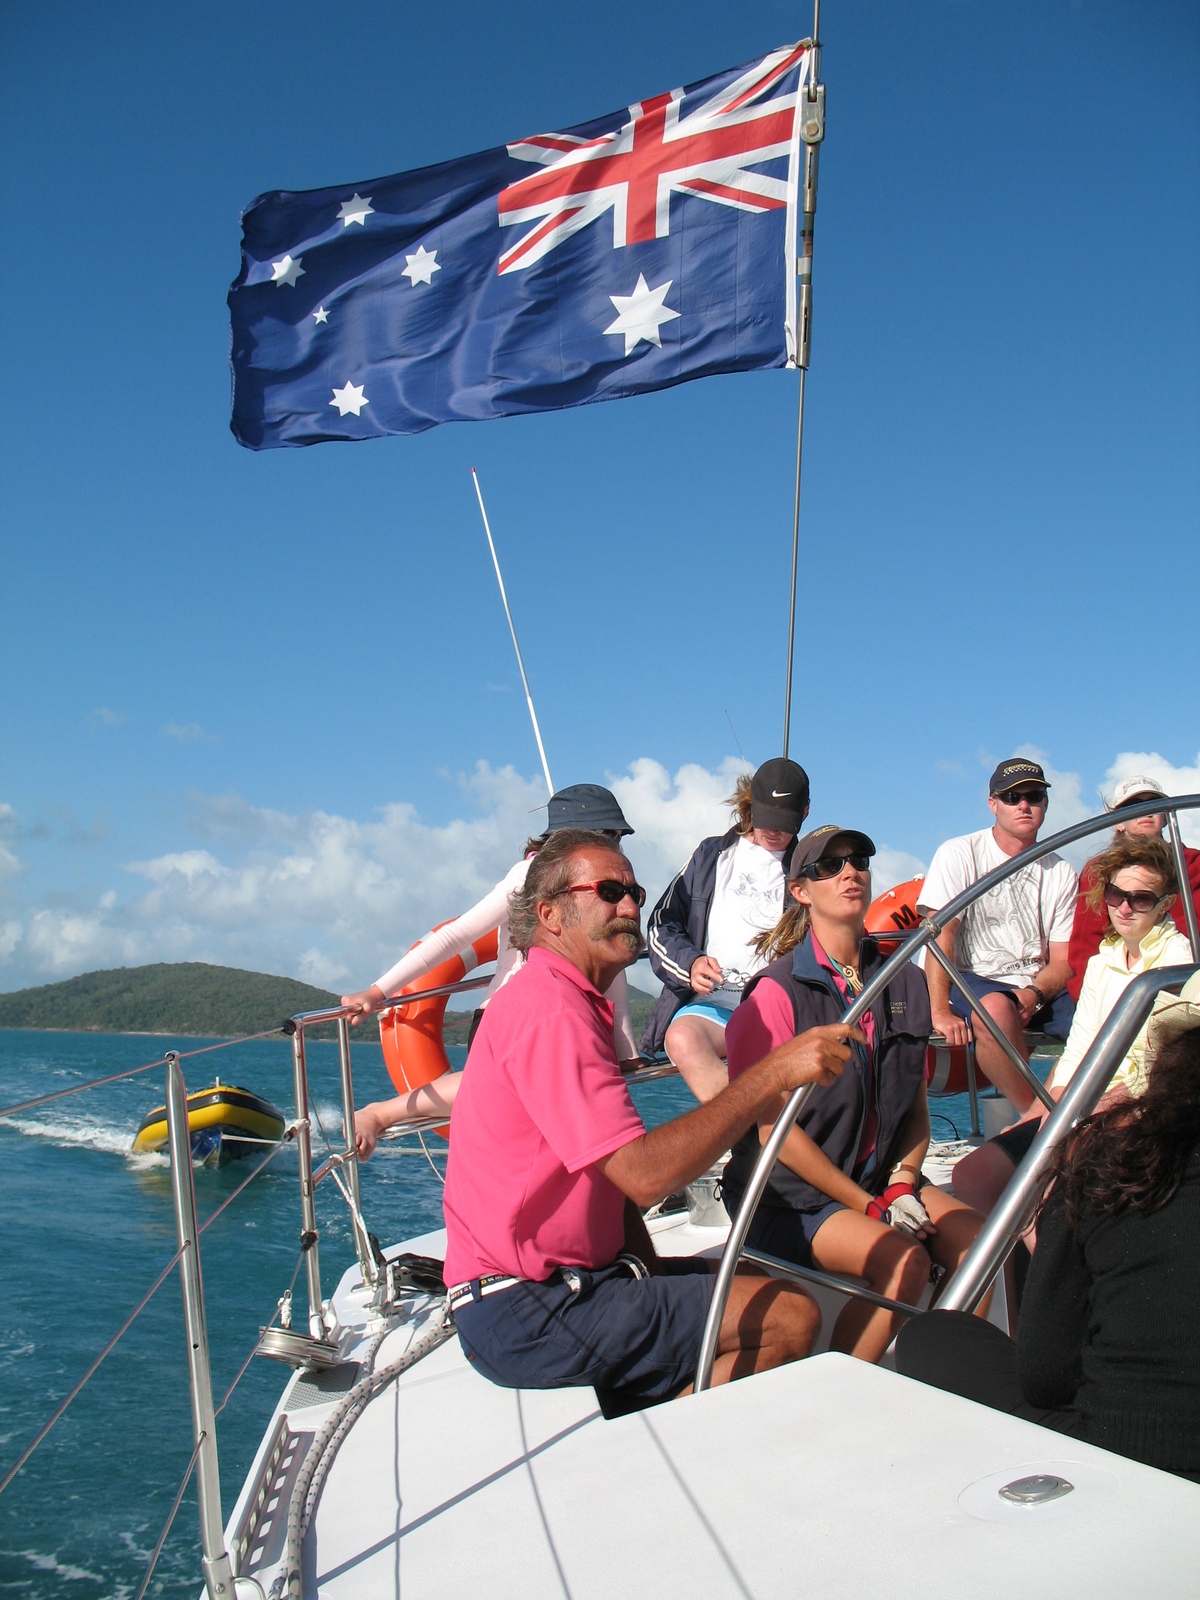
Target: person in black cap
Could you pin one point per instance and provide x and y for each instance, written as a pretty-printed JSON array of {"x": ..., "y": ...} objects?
[
  {"x": 700, "y": 937},
  {"x": 582, "y": 805},
  {"x": 1011, "y": 945},
  {"x": 847, "y": 1194}
]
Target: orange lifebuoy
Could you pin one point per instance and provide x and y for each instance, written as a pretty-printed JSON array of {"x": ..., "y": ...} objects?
[
  {"x": 414, "y": 1051},
  {"x": 894, "y": 909},
  {"x": 946, "y": 1069}
]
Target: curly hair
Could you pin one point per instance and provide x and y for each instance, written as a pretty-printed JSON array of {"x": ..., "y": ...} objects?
[
  {"x": 740, "y": 802},
  {"x": 549, "y": 875},
  {"x": 1134, "y": 1154},
  {"x": 1132, "y": 850}
]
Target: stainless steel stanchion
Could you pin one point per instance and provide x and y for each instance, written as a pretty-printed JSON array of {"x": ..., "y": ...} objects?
[{"x": 218, "y": 1572}]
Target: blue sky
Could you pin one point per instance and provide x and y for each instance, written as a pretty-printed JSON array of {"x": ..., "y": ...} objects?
[{"x": 263, "y": 709}]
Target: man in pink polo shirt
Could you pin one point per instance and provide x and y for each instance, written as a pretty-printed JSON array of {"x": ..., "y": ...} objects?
[{"x": 555, "y": 1281}]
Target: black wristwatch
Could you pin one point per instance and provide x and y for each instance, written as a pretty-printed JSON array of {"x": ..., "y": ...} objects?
[{"x": 1042, "y": 999}]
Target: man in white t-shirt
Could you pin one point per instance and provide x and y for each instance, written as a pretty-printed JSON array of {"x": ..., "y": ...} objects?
[{"x": 1010, "y": 945}]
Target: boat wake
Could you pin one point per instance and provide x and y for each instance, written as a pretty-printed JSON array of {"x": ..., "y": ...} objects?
[{"x": 73, "y": 1132}]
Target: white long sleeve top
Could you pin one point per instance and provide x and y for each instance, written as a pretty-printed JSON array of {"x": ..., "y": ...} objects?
[
  {"x": 1105, "y": 979},
  {"x": 457, "y": 937}
]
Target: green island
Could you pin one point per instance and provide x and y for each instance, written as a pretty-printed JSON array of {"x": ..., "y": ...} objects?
[{"x": 196, "y": 999}]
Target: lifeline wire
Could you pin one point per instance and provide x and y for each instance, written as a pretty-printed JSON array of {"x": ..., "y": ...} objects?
[
  {"x": 166, "y": 1528},
  {"x": 132, "y": 1317},
  {"x": 129, "y": 1320},
  {"x": 132, "y": 1072},
  {"x": 254, "y": 1348}
]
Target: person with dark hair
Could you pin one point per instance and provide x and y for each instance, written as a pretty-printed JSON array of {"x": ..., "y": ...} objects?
[
  {"x": 554, "y": 1279},
  {"x": 1011, "y": 944},
  {"x": 1133, "y": 881},
  {"x": 701, "y": 934},
  {"x": 582, "y": 805},
  {"x": 1091, "y": 926},
  {"x": 847, "y": 1194},
  {"x": 1106, "y": 1349}
]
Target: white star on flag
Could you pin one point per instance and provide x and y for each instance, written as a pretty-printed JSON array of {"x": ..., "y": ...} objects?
[
  {"x": 356, "y": 210},
  {"x": 320, "y": 314},
  {"x": 350, "y": 398},
  {"x": 421, "y": 267},
  {"x": 287, "y": 271},
  {"x": 641, "y": 313}
]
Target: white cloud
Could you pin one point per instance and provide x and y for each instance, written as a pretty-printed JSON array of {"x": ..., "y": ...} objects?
[
  {"x": 188, "y": 733},
  {"x": 104, "y": 717},
  {"x": 891, "y": 867}
]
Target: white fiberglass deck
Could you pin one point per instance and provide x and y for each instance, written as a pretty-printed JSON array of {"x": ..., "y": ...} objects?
[{"x": 829, "y": 1478}]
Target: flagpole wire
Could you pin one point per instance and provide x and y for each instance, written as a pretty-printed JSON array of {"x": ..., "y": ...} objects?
[
  {"x": 804, "y": 270},
  {"x": 537, "y": 732}
]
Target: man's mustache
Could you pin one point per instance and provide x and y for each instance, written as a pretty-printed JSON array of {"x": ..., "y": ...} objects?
[{"x": 629, "y": 926}]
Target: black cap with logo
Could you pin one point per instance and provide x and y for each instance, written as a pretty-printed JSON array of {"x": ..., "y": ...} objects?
[
  {"x": 1017, "y": 769},
  {"x": 779, "y": 796},
  {"x": 829, "y": 840}
]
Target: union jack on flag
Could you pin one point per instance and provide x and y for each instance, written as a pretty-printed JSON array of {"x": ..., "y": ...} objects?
[{"x": 644, "y": 249}]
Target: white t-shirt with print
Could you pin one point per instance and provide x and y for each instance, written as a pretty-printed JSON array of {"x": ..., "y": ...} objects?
[
  {"x": 1006, "y": 934},
  {"x": 747, "y": 900}
]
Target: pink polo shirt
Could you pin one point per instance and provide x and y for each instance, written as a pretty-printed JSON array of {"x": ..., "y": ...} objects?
[{"x": 542, "y": 1101}]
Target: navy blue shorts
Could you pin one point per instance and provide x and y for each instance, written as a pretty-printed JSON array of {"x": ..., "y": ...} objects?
[
  {"x": 1053, "y": 1019},
  {"x": 640, "y": 1336},
  {"x": 786, "y": 1232}
]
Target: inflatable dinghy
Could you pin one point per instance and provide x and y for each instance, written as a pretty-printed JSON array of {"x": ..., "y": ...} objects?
[{"x": 225, "y": 1123}]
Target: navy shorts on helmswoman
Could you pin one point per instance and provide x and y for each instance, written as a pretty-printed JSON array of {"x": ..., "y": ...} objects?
[{"x": 639, "y": 1336}]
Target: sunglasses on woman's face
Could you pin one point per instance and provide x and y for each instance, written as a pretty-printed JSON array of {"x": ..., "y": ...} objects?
[
  {"x": 1136, "y": 899},
  {"x": 831, "y": 866},
  {"x": 611, "y": 890}
]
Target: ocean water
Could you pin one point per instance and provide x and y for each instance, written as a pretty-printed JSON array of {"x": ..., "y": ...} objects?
[{"x": 85, "y": 1227}]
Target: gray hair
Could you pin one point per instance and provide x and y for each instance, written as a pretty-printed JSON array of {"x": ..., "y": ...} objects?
[{"x": 549, "y": 875}]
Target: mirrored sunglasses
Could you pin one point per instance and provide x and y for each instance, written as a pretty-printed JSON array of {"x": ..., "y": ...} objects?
[{"x": 1013, "y": 797}]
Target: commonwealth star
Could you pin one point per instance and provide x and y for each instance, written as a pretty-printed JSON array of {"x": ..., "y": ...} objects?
[{"x": 641, "y": 313}]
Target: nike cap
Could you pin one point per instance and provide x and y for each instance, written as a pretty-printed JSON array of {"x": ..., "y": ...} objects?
[
  {"x": 779, "y": 796},
  {"x": 829, "y": 840},
  {"x": 1017, "y": 769}
]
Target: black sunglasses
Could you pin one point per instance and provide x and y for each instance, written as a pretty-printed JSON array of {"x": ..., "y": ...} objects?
[
  {"x": 1136, "y": 899},
  {"x": 831, "y": 866},
  {"x": 1013, "y": 797},
  {"x": 611, "y": 890}
]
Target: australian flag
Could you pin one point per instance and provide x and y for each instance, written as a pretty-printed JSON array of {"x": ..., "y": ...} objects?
[{"x": 631, "y": 253}]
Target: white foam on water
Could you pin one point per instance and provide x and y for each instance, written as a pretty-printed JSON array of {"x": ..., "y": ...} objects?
[
  {"x": 111, "y": 1138},
  {"x": 59, "y": 1568}
]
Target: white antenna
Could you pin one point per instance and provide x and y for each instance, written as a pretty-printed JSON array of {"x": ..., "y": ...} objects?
[{"x": 537, "y": 732}]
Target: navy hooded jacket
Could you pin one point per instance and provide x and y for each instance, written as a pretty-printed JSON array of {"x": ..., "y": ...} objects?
[{"x": 678, "y": 929}]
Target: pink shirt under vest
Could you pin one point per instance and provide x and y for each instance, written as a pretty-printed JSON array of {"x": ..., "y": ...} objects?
[
  {"x": 765, "y": 1020},
  {"x": 541, "y": 1102}
]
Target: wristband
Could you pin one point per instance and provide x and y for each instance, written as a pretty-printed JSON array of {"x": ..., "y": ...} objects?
[{"x": 880, "y": 1205}]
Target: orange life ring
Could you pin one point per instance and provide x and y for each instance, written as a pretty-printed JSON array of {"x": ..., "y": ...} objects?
[
  {"x": 946, "y": 1069},
  {"x": 414, "y": 1051},
  {"x": 895, "y": 908}
]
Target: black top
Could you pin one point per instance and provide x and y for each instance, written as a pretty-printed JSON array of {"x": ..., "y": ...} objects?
[
  {"x": 833, "y": 1116},
  {"x": 1109, "y": 1326}
]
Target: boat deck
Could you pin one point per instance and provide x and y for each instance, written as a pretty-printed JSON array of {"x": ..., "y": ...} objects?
[{"x": 829, "y": 1477}]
